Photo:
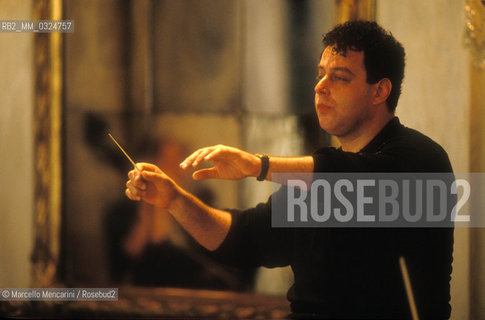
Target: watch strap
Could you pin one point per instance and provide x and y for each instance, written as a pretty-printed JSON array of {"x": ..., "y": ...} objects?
[{"x": 264, "y": 167}]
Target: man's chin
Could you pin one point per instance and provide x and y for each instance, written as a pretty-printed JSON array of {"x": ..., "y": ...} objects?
[{"x": 328, "y": 128}]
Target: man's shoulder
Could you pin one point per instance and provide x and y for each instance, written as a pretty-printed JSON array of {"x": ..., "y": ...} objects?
[
  {"x": 418, "y": 147},
  {"x": 414, "y": 139}
]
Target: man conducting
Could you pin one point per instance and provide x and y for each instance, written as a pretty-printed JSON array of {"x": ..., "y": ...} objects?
[{"x": 339, "y": 273}]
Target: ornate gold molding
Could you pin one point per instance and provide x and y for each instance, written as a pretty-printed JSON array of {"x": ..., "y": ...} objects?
[
  {"x": 474, "y": 39},
  {"x": 477, "y": 164},
  {"x": 47, "y": 146},
  {"x": 475, "y": 31},
  {"x": 346, "y": 10}
]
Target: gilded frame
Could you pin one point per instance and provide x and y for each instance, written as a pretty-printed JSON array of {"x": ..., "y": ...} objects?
[
  {"x": 47, "y": 147},
  {"x": 47, "y": 213},
  {"x": 346, "y": 10},
  {"x": 47, "y": 134}
]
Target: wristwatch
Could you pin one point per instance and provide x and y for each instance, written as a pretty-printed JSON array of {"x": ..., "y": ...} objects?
[{"x": 264, "y": 166}]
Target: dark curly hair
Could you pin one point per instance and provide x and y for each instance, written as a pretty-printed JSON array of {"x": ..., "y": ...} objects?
[{"x": 383, "y": 54}]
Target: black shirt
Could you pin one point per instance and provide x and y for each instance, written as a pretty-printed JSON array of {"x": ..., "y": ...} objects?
[{"x": 354, "y": 273}]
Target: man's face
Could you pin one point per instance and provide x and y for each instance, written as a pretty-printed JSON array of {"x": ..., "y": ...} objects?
[{"x": 342, "y": 95}]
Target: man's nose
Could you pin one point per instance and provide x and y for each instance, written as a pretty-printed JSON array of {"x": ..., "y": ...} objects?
[{"x": 321, "y": 86}]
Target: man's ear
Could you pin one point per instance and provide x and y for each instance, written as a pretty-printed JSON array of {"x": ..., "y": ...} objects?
[{"x": 382, "y": 90}]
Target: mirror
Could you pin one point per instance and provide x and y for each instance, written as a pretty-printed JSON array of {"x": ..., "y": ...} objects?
[{"x": 165, "y": 78}]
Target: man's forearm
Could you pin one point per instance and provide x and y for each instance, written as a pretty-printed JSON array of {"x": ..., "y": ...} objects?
[
  {"x": 207, "y": 225},
  {"x": 288, "y": 165}
]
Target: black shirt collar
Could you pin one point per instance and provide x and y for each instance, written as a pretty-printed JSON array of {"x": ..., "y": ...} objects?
[{"x": 383, "y": 136}]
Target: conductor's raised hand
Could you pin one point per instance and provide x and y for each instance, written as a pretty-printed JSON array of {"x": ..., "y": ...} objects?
[
  {"x": 150, "y": 184},
  {"x": 228, "y": 163}
]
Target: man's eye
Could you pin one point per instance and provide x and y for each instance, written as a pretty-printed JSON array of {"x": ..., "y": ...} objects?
[{"x": 340, "y": 78}]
